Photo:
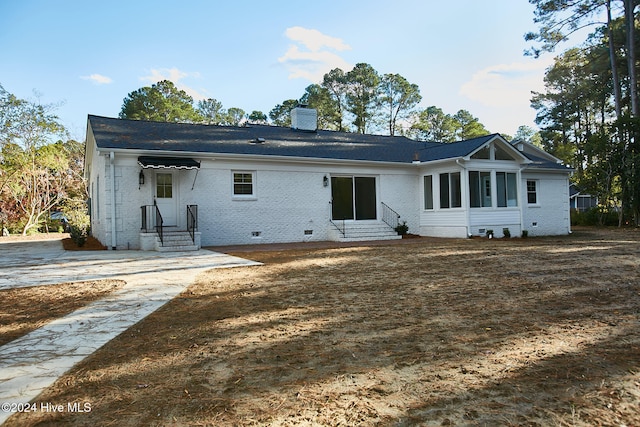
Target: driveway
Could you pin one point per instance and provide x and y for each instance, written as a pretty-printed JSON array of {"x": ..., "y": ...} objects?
[{"x": 33, "y": 362}]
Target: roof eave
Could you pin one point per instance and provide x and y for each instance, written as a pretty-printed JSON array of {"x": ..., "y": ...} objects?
[{"x": 255, "y": 157}]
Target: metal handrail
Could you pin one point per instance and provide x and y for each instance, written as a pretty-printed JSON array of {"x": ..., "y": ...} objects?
[
  {"x": 146, "y": 217},
  {"x": 342, "y": 230},
  {"x": 159, "y": 225},
  {"x": 389, "y": 216},
  {"x": 192, "y": 221}
]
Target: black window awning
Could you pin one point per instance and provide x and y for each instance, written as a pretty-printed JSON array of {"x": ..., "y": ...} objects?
[{"x": 168, "y": 162}]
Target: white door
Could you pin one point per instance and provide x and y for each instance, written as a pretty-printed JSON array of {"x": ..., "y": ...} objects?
[{"x": 166, "y": 198}]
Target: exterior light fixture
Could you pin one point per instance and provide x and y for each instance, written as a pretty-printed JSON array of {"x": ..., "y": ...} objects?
[
  {"x": 325, "y": 181},
  {"x": 140, "y": 179}
]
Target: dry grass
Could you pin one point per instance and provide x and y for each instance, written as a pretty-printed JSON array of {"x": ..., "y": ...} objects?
[
  {"x": 540, "y": 331},
  {"x": 26, "y": 309}
]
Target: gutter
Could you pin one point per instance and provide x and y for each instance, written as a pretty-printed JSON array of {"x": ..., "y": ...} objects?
[
  {"x": 112, "y": 170},
  {"x": 266, "y": 158}
]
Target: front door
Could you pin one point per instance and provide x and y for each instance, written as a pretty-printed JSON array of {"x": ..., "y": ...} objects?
[
  {"x": 353, "y": 197},
  {"x": 166, "y": 198}
]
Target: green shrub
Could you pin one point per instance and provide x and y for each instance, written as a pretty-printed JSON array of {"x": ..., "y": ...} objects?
[
  {"x": 79, "y": 226},
  {"x": 595, "y": 216},
  {"x": 506, "y": 233},
  {"x": 402, "y": 229}
]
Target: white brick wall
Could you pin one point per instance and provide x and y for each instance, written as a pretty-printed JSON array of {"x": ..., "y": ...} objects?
[
  {"x": 290, "y": 199},
  {"x": 286, "y": 203},
  {"x": 550, "y": 216}
]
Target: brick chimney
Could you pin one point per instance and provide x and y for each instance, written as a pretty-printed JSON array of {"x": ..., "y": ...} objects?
[{"x": 303, "y": 118}]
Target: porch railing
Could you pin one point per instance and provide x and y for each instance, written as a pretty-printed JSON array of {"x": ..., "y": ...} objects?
[
  {"x": 192, "y": 221},
  {"x": 338, "y": 224},
  {"x": 152, "y": 220},
  {"x": 389, "y": 216}
]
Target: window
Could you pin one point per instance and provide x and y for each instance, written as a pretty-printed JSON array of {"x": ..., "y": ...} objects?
[
  {"x": 532, "y": 192},
  {"x": 483, "y": 153},
  {"x": 243, "y": 183},
  {"x": 428, "y": 192},
  {"x": 479, "y": 189},
  {"x": 450, "y": 195},
  {"x": 492, "y": 152},
  {"x": 501, "y": 154},
  {"x": 164, "y": 186},
  {"x": 507, "y": 189}
]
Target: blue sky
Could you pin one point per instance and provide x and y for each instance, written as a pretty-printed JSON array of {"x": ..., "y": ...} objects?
[{"x": 88, "y": 55}]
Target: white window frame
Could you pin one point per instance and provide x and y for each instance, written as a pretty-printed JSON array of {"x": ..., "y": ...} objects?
[
  {"x": 428, "y": 192},
  {"x": 242, "y": 196},
  {"x": 536, "y": 192},
  {"x": 505, "y": 182},
  {"x": 451, "y": 190}
]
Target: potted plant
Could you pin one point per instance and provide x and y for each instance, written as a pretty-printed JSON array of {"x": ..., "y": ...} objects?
[{"x": 402, "y": 229}]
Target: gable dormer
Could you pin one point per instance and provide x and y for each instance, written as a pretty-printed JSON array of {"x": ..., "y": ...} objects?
[{"x": 498, "y": 149}]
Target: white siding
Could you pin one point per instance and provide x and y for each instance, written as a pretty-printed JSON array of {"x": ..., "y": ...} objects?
[
  {"x": 495, "y": 219},
  {"x": 446, "y": 222}
]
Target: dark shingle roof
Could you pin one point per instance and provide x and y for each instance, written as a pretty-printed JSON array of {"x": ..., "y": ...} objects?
[
  {"x": 253, "y": 139},
  {"x": 456, "y": 149},
  {"x": 265, "y": 140}
]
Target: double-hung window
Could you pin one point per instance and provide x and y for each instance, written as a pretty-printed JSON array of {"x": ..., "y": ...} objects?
[
  {"x": 244, "y": 184},
  {"x": 450, "y": 194},
  {"x": 532, "y": 192}
]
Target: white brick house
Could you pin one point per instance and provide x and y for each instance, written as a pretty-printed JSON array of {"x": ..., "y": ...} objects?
[{"x": 267, "y": 184}]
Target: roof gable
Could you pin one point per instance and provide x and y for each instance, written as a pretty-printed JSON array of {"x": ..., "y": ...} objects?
[{"x": 467, "y": 148}]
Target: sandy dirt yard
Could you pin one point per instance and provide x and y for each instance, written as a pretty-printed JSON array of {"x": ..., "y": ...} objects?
[{"x": 477, "y": 332}]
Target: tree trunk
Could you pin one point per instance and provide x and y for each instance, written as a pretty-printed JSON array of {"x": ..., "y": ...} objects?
[
  {"x": 617, "y": 95},
  {"x": 631, "y": 55}
]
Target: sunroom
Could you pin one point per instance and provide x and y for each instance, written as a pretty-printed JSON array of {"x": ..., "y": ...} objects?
[{"x": 474, "y": 193}]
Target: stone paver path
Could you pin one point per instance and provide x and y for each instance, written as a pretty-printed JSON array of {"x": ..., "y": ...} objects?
[{"x": 33, "y": 362}]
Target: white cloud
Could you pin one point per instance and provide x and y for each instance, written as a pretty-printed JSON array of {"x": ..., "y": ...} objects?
[
  {"x": 506, "y": 85},
  {"x": 314, "y": 40},
  {"x": 175, "y": 75},
  {"x": 313, "y": 54},
  {"x": 98, "y": 79}
]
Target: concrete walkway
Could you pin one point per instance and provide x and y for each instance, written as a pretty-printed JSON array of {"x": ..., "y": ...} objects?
[{"x": 33, "y": 362}]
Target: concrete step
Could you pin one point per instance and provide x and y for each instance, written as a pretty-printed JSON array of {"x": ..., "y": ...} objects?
[
  {"x": 175, "y": 241},
  {"x": 177, "y": 248},
  {"x": 355, "y": 232}
]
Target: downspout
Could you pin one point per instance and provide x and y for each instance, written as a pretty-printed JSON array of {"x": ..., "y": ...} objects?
[
  {"x": 467, "y": 208},
  {"x": 112, "y": 170},
  {"x": 521, "y": 196}
]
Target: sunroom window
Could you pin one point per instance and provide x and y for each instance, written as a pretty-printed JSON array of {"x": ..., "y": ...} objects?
[
  {"x": 479, "y": 189},
  {"x": 506, "y": 186},
  {"x": 450, "y": 195},
  {"x": 501, "y": 154}
]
